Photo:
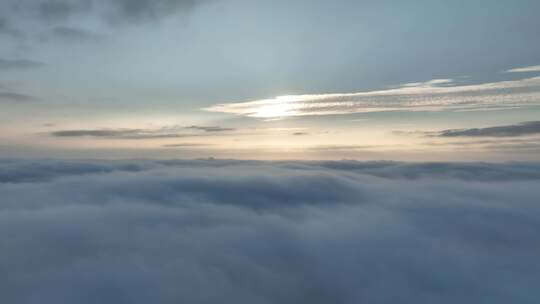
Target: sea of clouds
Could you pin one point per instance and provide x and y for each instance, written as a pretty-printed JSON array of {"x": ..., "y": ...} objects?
[{"x": 225, "y": 231}]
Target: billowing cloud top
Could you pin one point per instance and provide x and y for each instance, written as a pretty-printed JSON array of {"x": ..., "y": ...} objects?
[{"x": 210, "y": 231}]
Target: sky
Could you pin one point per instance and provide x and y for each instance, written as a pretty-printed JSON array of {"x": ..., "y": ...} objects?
[{"x": 399, "y": 80}]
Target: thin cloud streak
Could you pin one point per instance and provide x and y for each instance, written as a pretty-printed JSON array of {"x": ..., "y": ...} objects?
[
  {"x": 165, "y": 132},
  {"x": 18, "y": 97},
  {"x": 521, "y": 129},
  {"x": 19, "y": 64},
  {"x": 211, "y": 128}
]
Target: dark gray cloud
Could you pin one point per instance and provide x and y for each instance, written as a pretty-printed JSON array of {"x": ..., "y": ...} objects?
[
  {"x": 6, "y": 64},
  {"x": 118, "y": 133},
  {"x": 166, "y": 132},
  {"x": 524, "y": 128},
  {"x": 95, "y": 133},
  {"x": 30, "y": 21},
  {"x": 300, "y": 133},
  {"x": 137, "y": 11},
  {"x": 72, "y": 34},
  {"x": 6, "y": 29},
  {"x": 211, "y": 128},
  {"x": 11, "y": 96},
  {"x": 210, "y": 231},
  {"x": 59, "y": 10}
]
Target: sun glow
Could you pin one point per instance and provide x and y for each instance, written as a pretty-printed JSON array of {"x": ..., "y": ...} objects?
[{"x": 281, "y": 107}]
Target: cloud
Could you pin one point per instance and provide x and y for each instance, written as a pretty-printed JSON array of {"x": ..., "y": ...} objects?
[
  {"x": 117, "y": 133},
  {"x": 525, "y": 147},
  {"x": 521, "y": 129},
  {"x": 6, "y": 64},
  {"x": 95, "y": 133},
  {"x": 6, "y": 29},
  {"x": 11, "y": 96},
  {"x": 427, "y": 84},
  {"x": 513, "y": 145},
  {"x": 41, "y": 171},
  {"x": 60, "y": 12},
  {"x": 164, "y": 132},
  {"x": 207, "y": 231},
  {"x": 137, "y": 11},
  {"x": 300, "y": 133},
  {"x": 211, "y": 128},
  {"x": 434, "y": 95},
  {"x": 534, "y": 68},
  {"x": 72, "y": 34},
  {"x": 32, "y": 21}
]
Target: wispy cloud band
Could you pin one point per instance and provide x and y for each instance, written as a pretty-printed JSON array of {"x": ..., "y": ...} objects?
[{"x": 434, "y": 95}]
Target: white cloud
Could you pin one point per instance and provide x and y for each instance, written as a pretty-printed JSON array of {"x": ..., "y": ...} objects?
[
  {"x": 434, "y": 95},
  {"x": 534, "y": 68},
  {"x": 429, "y": 83}
]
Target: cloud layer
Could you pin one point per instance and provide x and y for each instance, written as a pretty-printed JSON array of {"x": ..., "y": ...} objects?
[{"x": 229, "y": 231}]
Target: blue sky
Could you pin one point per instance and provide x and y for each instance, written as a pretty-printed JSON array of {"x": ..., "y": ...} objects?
[{"x": 360, "y": 79}]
